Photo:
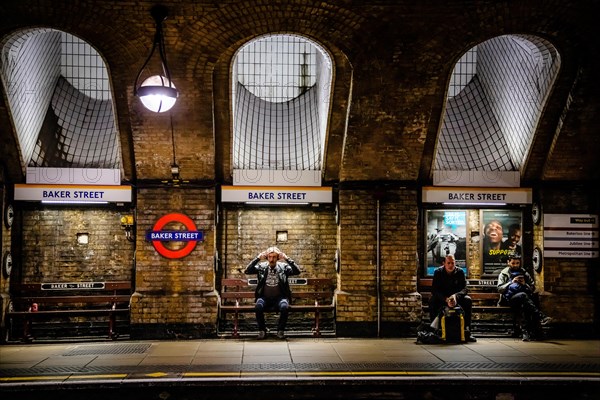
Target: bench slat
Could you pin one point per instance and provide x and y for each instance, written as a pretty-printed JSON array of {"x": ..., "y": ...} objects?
[
  {"x": 66, "y": 312},
  {"x": 37, "y": 287},
  {"x": 237, "y": 295},
  {"x": 123, "y": 298}
]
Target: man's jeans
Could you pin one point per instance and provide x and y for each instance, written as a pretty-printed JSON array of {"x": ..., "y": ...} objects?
[
  {"x": 531, "y": 313},
  {"x": 274, "y": 304}
]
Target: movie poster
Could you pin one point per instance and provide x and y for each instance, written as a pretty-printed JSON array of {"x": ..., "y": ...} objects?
[
  {"x": 500, "y": 236},
  {"x": 446, "y": 234}
]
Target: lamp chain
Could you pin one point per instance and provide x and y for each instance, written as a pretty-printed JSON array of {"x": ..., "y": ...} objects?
[{"x": 173, "y": 138}]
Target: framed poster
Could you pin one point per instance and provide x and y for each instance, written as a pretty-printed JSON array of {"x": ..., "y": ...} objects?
[
  {"x": 501, "y": 235},
  {"x": 446, "y": 233}
]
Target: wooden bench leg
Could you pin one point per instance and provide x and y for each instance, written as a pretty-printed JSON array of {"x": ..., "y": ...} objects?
[
  {"x": 111, "y": 326},
  {"x": 27, "y": 336},
  {"x": 236, "y": 332},
  {"x": 317, "y": 331}
]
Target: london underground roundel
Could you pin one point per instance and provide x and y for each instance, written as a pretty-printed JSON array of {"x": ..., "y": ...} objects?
[{"x": 159, "y": 236}]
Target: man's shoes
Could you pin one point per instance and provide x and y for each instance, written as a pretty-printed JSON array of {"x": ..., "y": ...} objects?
[
  {"x": 527, "y": 337},
  {"x": 546, "y": 320},
  {"x": 469, "y": 336},
  {"x": 261, "y": 335},
  {"x": 280, "y": 335}
]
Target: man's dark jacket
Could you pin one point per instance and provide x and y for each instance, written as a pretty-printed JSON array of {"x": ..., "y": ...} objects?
[
  {"x": 445, "y": 285},
  {"x": 283, "y": 269}
]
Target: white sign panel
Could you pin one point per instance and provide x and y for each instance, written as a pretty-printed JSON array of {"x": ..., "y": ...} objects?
[
  {"x": 73, "y": 176},
  {"x": 476, "y": 196},
  {"x": 270, "y": 177},
  {"x": 477, "y": 178},
  {"x": 276, "y": 195},
  {"x": 571, "y": 236},
  {"x": 73, "y": 194}
]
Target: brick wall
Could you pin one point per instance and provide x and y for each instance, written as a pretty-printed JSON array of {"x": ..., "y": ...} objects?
[
  {"x": 174, "y": 297},
  {"x": 357, "y": 303},
  {"x": 50, "y": 251},
  {"x": 399, "y": 236},
  {"x": 311, "y": 237},
  {"x": 570, "y": 285}
]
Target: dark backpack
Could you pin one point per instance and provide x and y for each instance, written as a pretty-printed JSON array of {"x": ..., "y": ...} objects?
[{"x": 428, "y": 337}]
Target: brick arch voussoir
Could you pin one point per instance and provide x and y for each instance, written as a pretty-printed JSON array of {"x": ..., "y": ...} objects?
[{"x": 214, "y": 38}]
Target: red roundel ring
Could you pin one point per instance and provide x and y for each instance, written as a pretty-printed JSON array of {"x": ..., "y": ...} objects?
[{"x": 185, "y": 250}]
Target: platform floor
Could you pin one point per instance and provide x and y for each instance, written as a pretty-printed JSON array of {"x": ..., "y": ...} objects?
[{"x": 301, "y": 368}]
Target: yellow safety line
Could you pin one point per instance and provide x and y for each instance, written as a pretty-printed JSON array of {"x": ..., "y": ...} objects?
[
  {"x": 34, "y": 378},
  {"x": 104, "y": 376},
  {"x": 268, "y": 373},
  {"x": 202, "y": 374},
  {"x": 309, "y": 373}
]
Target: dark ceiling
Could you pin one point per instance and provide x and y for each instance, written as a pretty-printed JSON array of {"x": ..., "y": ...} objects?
[{"x": 392, "y": 61}]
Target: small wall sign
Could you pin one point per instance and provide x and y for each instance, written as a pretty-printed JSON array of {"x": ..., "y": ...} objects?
[{"x": 571, "y": 236}]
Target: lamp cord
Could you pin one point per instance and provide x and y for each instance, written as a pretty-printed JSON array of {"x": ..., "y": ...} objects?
[
  {"x": 163, "y": 53},
  {"x": 135, "y": 86},
  {"x": 160, "y": 42},
  {"x": 173, "y": 138}
]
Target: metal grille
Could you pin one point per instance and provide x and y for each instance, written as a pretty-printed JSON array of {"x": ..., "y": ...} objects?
[
  {"x": 321, "y": 367},
  {"x": 464, "y": 71},
  {"x": 277, "y": 68},
  {"x": 277, "y": 135},
  {"x": 60, "y": 99},
  {"x": 495, "y": 98},
  {"x": 108, "y": 349},
  {"x": 281, "y": 97},
  {"x": 83, "y": 67},
  {"x": 78, "y": 131}
]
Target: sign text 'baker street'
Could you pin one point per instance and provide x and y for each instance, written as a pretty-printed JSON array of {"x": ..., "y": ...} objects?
[
  {"x": 467, "y": 195},
  {"x": 72, "y": 194},
  {"x": 476, "y": 196},
  {"x": 181, "y": 236},
  {"x": 277, "y": 196}
]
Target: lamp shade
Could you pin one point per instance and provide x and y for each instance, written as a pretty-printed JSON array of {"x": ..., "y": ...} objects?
[{"x": 157, "y": 93}]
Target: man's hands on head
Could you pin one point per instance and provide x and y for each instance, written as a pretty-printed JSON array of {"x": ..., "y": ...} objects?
[{"x": 280, "y": 255}]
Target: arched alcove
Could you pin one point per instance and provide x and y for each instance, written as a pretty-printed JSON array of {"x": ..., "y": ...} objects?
[
  {"x": 280, "y": 105},
  {"x": 60, "y": 99},
  {"x": 496, "y": 95}
]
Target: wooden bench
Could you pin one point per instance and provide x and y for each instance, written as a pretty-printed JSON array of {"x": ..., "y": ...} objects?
[
  {"x": 309, "y": 295},
  {"x": 44, "y": 301},
  {"x": 488, "y": 316}
]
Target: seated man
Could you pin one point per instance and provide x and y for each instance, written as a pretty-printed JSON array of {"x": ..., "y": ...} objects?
[
  {"x": 449, "y": 288},
  {"x": 518, "y": 291},
  {"x": 273, "y": 289},
  {"x": 518, "y": 285}
]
